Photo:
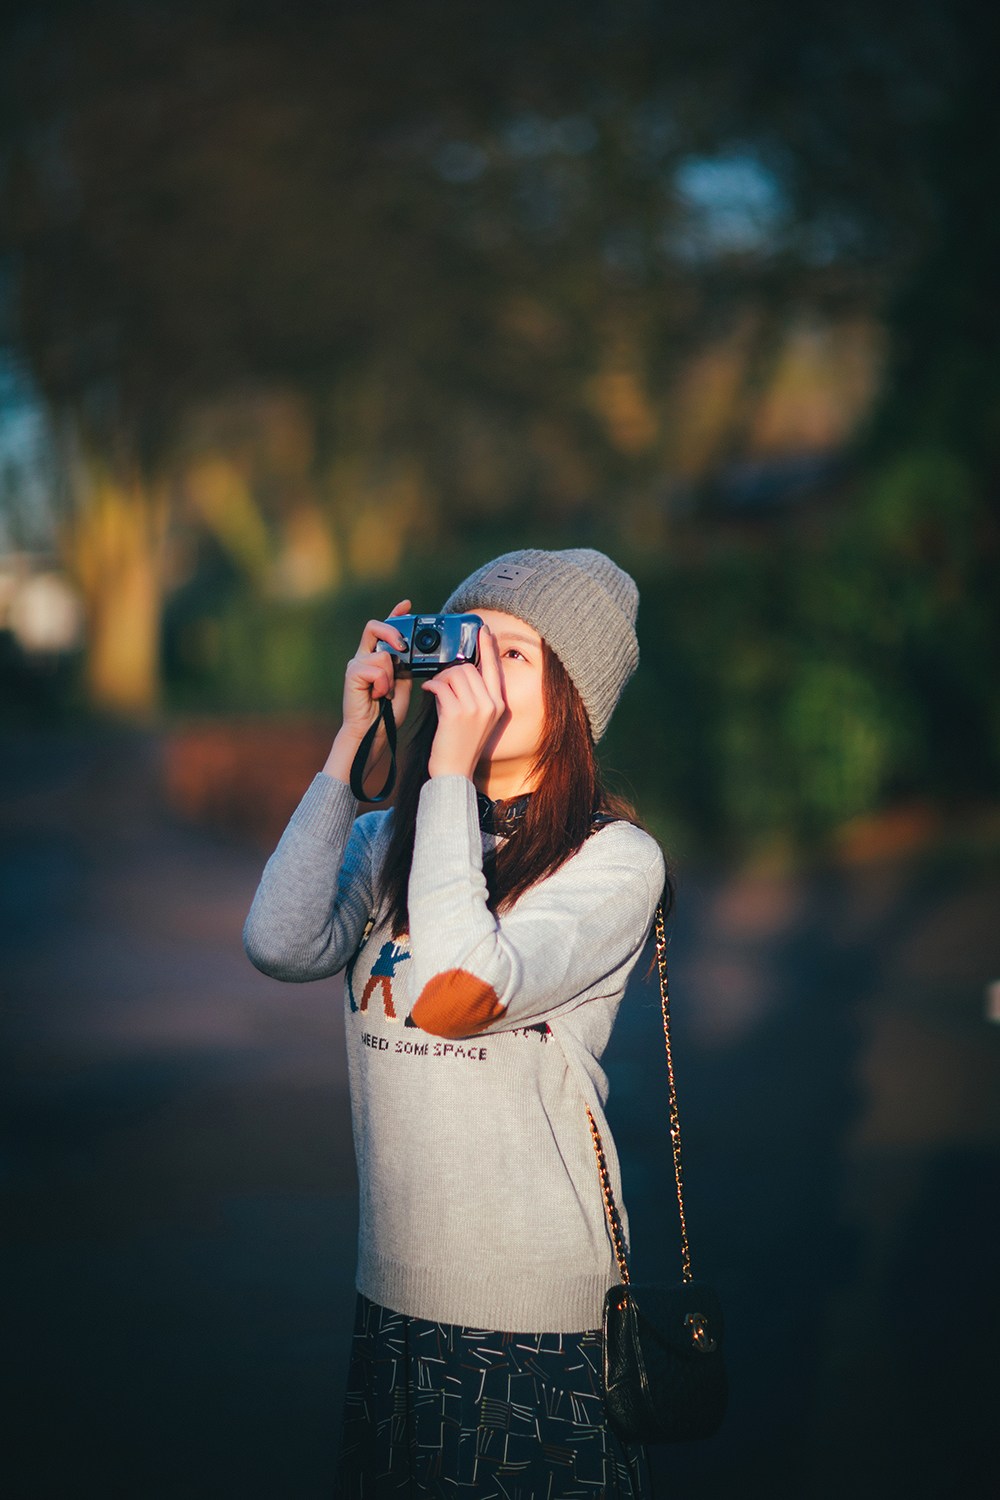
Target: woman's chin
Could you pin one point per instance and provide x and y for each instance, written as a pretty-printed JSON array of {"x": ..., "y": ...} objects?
[{"x": 501, "y": 779}]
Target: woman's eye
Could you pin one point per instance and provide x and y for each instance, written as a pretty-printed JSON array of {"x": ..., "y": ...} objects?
[{"x": 513, "y": 651}]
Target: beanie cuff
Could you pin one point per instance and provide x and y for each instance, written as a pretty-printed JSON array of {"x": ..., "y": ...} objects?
[{"x": 580, "y": 602}]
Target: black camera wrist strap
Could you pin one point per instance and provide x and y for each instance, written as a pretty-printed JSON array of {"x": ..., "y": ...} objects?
[{"x": 387, "y": 717}]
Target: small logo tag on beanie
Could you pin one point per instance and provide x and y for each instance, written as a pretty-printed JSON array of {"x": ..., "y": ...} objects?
[{"x": 506, "y": 575}]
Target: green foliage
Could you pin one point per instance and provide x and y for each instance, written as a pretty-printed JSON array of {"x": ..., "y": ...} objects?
[
  {"x": 783, "y": 689},
  {"x": 786, "y": 689},
  {"x": 477, "y": 268},
  {"x": 842, "y": 735}
]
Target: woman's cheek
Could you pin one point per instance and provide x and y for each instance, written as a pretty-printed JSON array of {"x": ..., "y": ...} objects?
[{"x": 526, "y": 721}]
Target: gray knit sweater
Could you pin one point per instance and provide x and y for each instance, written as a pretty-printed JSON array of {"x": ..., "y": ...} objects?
[{"x": 474, "y": 1044}]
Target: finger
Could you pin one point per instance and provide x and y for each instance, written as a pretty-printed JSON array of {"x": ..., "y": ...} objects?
[
  {"x": 372, "y": 674},
  {"x": 381, "y": 630},
  {"x": 467, "y": 687},
  {"x": 488, "y": 685},
  {"x": 436, "y": 688},
  {"x": 441, "y": 685},
  {"x": 454, "y": 697},
  {"x": 404, "y": 607},
  {"x": 489, "y": 666}
]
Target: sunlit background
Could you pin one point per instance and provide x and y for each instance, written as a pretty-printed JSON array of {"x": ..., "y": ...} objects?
[{"x": 305, "y": 308}]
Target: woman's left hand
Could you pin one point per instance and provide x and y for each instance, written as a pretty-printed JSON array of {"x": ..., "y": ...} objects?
[{"x": 470, "y": 704}]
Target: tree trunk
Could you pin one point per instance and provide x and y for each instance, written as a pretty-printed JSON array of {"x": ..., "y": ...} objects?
[{"x": 115, "y": 547}]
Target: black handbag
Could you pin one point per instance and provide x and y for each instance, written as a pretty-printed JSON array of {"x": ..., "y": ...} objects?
[{"x": 664, "y": 1373}]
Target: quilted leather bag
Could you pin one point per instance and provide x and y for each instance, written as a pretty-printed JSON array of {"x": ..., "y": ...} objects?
[{"x": 664, "y": 1373}]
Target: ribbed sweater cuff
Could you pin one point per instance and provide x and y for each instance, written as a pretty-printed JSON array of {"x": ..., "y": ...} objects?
[
  {"x": 448, "y": 820},
  {"x": 327, "y": 810}
]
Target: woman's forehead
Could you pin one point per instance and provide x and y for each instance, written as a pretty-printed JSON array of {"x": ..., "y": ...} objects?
[{"x": 508, "y": 625}]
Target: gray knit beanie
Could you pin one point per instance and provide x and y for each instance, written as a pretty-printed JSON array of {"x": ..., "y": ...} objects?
[{"x": 580, "y": 602}]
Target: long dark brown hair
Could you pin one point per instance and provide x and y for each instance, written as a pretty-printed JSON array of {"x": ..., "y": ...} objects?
[{"x": 560, "y": 815}]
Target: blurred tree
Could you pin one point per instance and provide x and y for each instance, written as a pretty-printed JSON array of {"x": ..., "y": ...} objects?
[
  {"x": 484, "y": 245},
  {"x": 929, "y": 515},
  {"x": 337, "y": 285}
]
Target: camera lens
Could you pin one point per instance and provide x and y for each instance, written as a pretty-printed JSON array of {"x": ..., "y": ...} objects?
[{"x": 426, "y": 639}]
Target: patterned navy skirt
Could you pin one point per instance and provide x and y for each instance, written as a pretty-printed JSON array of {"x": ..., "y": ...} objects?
[{"x": 437, "y": 1410}]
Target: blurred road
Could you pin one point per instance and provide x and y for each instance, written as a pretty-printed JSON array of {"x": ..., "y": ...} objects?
[{"x": 178, "y": 1180}]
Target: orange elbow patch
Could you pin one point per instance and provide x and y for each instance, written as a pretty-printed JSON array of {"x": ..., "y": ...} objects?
[{"x": 456, "y": 1004}]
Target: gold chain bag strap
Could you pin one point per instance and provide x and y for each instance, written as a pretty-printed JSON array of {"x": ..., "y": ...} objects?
[{"x": 664, "y": 1375}]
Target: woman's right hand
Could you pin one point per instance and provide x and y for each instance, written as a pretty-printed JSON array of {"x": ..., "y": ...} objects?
[{"x": 370, "y": 677}]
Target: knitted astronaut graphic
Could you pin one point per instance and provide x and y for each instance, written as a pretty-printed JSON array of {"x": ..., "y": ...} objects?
[{"x": 390, "y": 956}]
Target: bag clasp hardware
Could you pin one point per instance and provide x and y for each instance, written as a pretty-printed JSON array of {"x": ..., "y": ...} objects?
[{"x": 701, "y": 1339}]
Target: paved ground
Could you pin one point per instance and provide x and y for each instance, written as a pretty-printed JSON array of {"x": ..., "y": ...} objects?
[{"x": 178, "y": 1179}]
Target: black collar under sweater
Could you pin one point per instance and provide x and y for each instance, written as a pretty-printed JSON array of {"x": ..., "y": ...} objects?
[
  {"x": 504, "y": 818},
  {"x": 501, "y": 818}
]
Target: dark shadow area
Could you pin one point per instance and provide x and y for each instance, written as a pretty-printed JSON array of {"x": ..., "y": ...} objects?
[
  {"x": 178, "y": 1189},
  {"x": 855, "y": 1274},
  {"x": 942, "y": 1316},
  {"x": 762, "y": 1119},
  {"x": 178, "y": 1177}
]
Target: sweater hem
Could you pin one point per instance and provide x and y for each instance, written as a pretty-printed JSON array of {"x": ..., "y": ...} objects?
[{"x": 529, "y": 1302}]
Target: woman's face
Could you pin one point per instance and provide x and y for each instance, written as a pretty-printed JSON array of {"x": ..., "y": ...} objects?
[{"x": 507, "y": 761}]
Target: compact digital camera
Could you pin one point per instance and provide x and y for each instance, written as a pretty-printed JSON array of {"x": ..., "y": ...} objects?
[{"x": 433, "y": 642}]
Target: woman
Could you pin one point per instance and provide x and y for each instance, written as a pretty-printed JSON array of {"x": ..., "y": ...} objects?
[{"x": 488, "y": 927}]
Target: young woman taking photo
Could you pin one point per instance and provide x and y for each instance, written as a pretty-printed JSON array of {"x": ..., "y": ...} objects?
[{"x": 488, "y": 926}]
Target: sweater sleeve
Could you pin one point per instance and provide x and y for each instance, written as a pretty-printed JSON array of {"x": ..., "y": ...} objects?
[
  {"x": 316, "y": 893},
  {"x": 574, "y": 936}
]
